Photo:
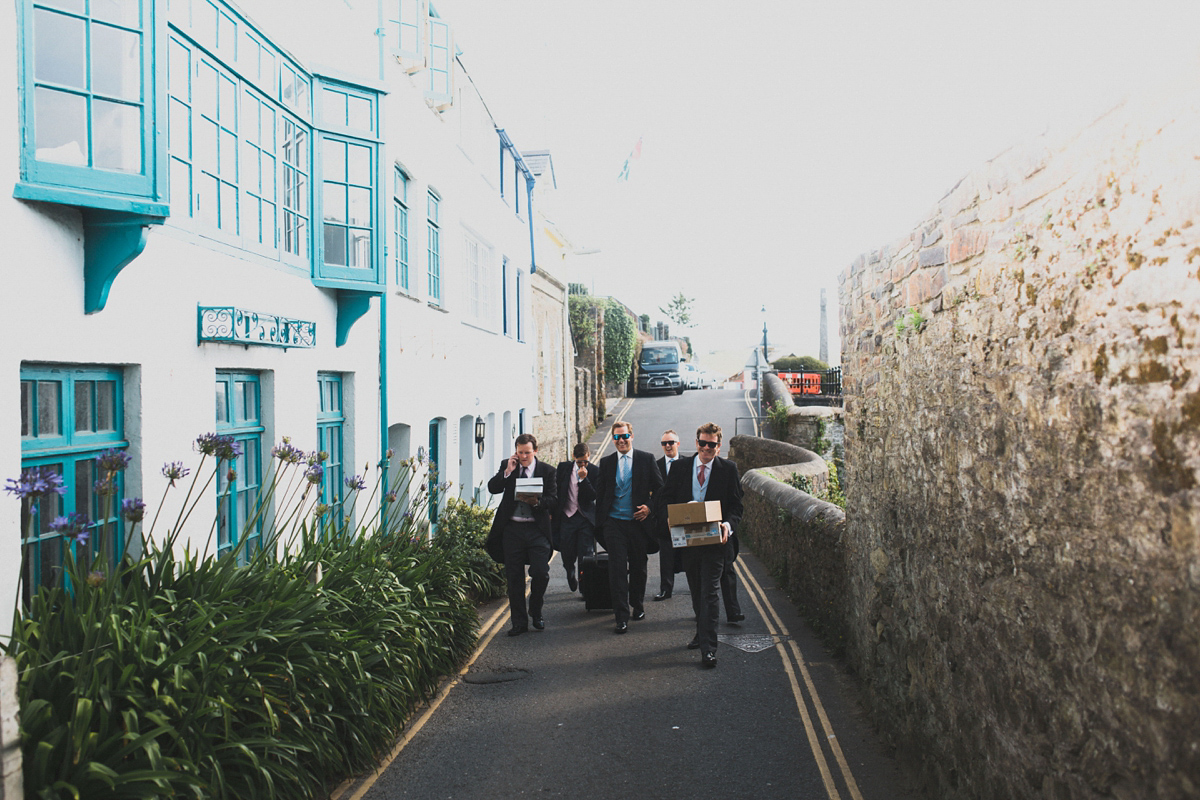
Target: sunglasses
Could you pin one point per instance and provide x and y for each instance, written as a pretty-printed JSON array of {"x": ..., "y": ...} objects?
[
  {"x": 707, "y": 445},
  {"x": 617, "y": 436},
  {"x": 668, "y": 443}
]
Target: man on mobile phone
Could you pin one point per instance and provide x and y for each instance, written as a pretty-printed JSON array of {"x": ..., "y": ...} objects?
[
  {"x": 575, "y": 519},
  {"x": 521, "y": 534}
]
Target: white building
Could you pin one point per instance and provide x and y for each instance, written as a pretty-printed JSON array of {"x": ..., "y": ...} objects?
[{"x": 265, "y": 220}]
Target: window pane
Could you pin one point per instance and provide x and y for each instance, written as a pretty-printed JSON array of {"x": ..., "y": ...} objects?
[
  {"x": 267, "y": 175},
  {"x": 206, "y": 145},
  {"x": 106, "y": 404},
  {"x": 83, "y": 405},
  {"x": 250, "y": 177},
  {"x": 179, "y": 129},
  {"x": 51, "y": 561},
  {"x": 48, "y": 403},
  {"x": 359, "y": 114},
  {"x": 249, "y": 391},
  {"x": 206, "y": 198},
  {"x": 60, "y": 127},
  {"x": 27, "y": 408},
  {"x": 335, "y": 202},
  {"x": 359, "y": 165},
  {"x": 229, "y": 207},
  {"x": 59, "y": 49},
  {"x": 181, "y": 188},
  {"x": 122, "y": 12},
  {"x": 116, "y": 63},
  {"x": 66, "y": 5},
  {"x": 118, "y": 136},
  {"x": 334, "y": 165},
  {"x": 335, "y": 245},
  {"x": 333, "y": 107},
  {"x": 360, "y": 206},
  {"x": 85, "y": 475},
  {"x": 360, "y": 247},
  {"x": 222, "y": 402},
  {"x": 227, "y": 147}
]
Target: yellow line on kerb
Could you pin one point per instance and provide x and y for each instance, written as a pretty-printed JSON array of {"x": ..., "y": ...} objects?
[
  {"x": 830, "y": 737},
  {"x": 608, "y": 439},
  {"x": 753, "y": 410}
]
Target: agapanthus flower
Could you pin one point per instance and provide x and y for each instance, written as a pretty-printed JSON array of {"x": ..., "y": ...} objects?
[
  {"x": 231, "y": 476},
  {"x": 133, "y": 509},
  {"x": 36, "y": 482},
  {"x": 314, "y": 474},
  {"x": 104, "y": 486},
  {"x": 287, "y": 452},
  {"x": 95, "y": 578},
  {"x": 321, "y": 510},
  {"x": 390, "y": 497},
  {"x": 174, "y": 471},
  {"x": 222, "y": 446},
  {"x": 356, "y": 483},
  {"x": 113, "y": 460},
  {"x": 72, "y": 526}
]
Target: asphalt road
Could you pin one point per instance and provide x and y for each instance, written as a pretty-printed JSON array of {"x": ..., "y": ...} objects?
[{"x": 576, "y": 711}]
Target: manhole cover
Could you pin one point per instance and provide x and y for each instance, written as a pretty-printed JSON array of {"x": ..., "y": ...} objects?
[
  {"x": 751, "y": 642},
  {"x": 495, "y": 675}
]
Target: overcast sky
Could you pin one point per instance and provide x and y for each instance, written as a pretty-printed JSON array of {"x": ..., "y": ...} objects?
[{"x": 781, "y": 138}]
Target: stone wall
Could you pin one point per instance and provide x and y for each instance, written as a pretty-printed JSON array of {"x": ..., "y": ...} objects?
[
  {"x": 554, "y": 372},
  {"x": 587, "y": 400},
  {"x": 1022, "y": 377},
  {"x": 10, "y": 734},
  {"x": 778, "y": 458}
]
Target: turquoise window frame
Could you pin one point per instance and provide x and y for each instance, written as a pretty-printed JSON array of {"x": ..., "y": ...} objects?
[
  {"x": 507, "y": 329},
  {"x": 433, "y": 246},
  {"x": 340, "y": 130},
  {"x": 331, "y": 429},
  {"x": 88, "y": 184},
  {"x": 406, "y": 29},
  {"x": 400, "y": 228},
  {"x": 239, "y": 517},
  {"x": 440, "y": 63},
  {"x": 72, "y": 454}
]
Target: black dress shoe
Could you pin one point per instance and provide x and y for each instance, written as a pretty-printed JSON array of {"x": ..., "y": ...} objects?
[
  {"x": 709, "y": 660},
  {"x": 735, "y": 617},
  {"x": 539, "y": 624},
  {"x": 694, "y": 644},
  {"x": 622, "y": 627},
  {"x": 518, "y": 630},
  {"x": 663, "y": 596},
  {"x": 639, "y": 614},
  {"x": 572, "y": 581}
]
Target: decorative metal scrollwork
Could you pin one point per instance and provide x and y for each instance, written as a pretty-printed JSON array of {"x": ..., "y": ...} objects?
[{"x": 239, "y": 326}]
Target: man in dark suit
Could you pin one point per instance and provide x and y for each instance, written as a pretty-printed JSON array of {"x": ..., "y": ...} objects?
[
  {"x": 628, "y": 479},
  {"x": 521, "y": 533},
  {"x": 706, "y": 476},
  {"x": 670, "y": 560},
  {"x": 575, "y": 520}
]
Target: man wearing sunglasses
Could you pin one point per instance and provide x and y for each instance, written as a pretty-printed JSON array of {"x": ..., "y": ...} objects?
[
  {"x": 670, "y": 560},
  {"x": 706, "y": 476},
  {"x": 628, "y": 480}
]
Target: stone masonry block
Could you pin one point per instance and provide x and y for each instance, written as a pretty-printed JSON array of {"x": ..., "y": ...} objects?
[
  {"x": 933, "y": 257},
  {"x": 967, "y": 243}
]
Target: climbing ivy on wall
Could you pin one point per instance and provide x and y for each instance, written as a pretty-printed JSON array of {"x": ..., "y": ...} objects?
[
  {"x": 620, "y": 340},
  {"x": 583, "y": 324}
]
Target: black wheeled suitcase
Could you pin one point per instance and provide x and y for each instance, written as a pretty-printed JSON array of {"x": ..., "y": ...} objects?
[{"x": 593, "y": 581}]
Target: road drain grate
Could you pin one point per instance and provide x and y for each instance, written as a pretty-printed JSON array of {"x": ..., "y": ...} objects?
[
  {"x": 495, "y": 675},
  {"x": 751, "y": 642}
]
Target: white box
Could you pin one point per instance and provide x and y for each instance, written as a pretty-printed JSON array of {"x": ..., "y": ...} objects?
[{"x": 696, "y": 535}]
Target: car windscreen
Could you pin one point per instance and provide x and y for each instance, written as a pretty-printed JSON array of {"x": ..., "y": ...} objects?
[{"x": 654, "y": 356}]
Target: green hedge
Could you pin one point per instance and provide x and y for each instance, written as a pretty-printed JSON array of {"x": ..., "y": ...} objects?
[{"x": 179, "y": 675}]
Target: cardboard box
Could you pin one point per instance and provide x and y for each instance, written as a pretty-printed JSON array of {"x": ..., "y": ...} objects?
[
  {"x": 696, "y": 535},
  {"x": 529, "y": 486},
  {"x": 693, "y": 513}
]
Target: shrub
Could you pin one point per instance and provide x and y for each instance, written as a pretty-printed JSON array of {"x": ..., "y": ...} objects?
[
  {"x": 462, "y": 533},
  {"x": 176, "y": 674},
  {"x": 833, "y": 487},
  {"x": 799, "y": 364}
]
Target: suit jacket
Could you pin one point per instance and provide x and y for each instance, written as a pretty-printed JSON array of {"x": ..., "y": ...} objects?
[
  {"x": 647, "y": 481},
  {"x": 661, "y": 529},
  {"x": 587, "y": 493},
  {"x": 508, "y": 503},
  {"x": 724, "y": 484}
]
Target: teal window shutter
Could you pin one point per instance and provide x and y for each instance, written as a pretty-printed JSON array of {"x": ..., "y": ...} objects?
[
  {"x": 400, "y": 228},
  {"x": 407, "y": 31},
  {"x": 441, "y": 63},
  {"x": 239, "y": 414}
]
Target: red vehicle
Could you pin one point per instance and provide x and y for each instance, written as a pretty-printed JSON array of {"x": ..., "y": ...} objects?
[{"x": 802, "y": 382}]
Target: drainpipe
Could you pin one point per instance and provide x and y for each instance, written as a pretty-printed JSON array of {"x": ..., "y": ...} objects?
[
  {"x": 529, "y": 213},
  {"x": 381, "y": 35}
]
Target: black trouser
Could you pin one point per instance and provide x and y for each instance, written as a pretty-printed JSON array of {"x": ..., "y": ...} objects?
[
  {"x": 669, "y": 562},
  {"x": 626, "y": 545},
  {"x": 729, "y": 580},
  {"x": 524, "y": 543},
  {"x": 704, "y": 565},
  {"x": 578, "y": 539}
]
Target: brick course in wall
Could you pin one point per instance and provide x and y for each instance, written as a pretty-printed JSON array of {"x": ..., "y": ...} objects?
[{"x": 1022, "y": 379}]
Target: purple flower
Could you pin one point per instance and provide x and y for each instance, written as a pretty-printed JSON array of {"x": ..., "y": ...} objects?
[
  {"x": 113, "y": 460},
  {"x": 390, "y": 497},
  {"x": 287, "y": 452},
  {"x": 95, "y": 578},
  {"x": 175, "y": 471},
  {"x": 356, "y": 483},
  {"x": 72, "y": 526},
  {"x": 222, "y": 446},
  {"x": 314, "y": 474},
  {"x": 36, "y": 482},
  {"x": 133, "y": 509},
  {"x": 104, "y": 486}
]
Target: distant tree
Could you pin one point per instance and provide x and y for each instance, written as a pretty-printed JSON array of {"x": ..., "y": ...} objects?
[
  {"x": 582, "y": 316},
  {"x": 799, "y": 364},
  {"x": 679, "y": 310},
  {"x": 576, "y": 288}
]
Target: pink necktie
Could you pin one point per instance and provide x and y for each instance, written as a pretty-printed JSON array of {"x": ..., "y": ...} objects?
[
  {"x": 702, "y": 474},
  {"x": 572, "y": 504}
]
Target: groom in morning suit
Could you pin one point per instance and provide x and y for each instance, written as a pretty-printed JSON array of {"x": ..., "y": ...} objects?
[
  {"x": 520, "y": 532},
  {"x": 624, "y": 524},
  {"x": 706, "y": 476}
]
